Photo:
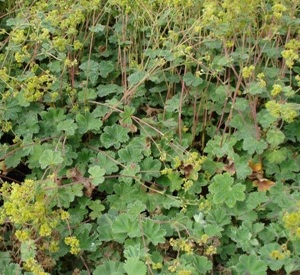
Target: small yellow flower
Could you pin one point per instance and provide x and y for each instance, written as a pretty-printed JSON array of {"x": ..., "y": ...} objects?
[
  {"x": 211, "y": 250},
  {"x": 73, "y": 242},
  {"x": 247, "y": 71},
  {"x": 276, "y": 89},
  {"x": 64, "y": 215},
  {"x": 274, "y": 254}
]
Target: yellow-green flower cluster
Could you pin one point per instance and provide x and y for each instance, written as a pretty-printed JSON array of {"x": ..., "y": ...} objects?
[
  {"x": 278, "y": 10},
  {"x": 156, "y": 266},
  {"x": 203, "y": 240},
  {"x": 205, "y": 205},
  {"x": 281, "y": 253},
  {"x": 22, "y": 56},
  {"x": 36, "y": 86},
  {"x": 292, "y": 223},
  {"x": 276, "y": 90},
  {"x": 25, "y": 206},
  {"x": 73, "y": 242},
  {"x": 288, "y": 114},
  {"x": 33, "y": 266},
  {"x": 261, "y": 80},
  {"x": 291, "y": 52},
  {"x": 4, "y": 75},
  {"x": 189, "y": 167},
  {"x": 184, "y": 272},
  {"x": 23, "y": 235},
  {"x": 248, "y": 71},
  {"x": 173, "y": 267},
  {"x": 210, "y": 250},
  {"x": 187, "y": 184},
  {"x": 18, "y": 36},
  {"x": 182, "y": 245},
  {"x": 6, "y": 126},
  {"x": 285, "y": 111},
  {"x": 207, "y": 243},
  {"x": 290, "y": 56}
]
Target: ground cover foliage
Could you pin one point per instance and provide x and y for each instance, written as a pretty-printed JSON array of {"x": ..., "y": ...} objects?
[{"x": 150, "y": 137}]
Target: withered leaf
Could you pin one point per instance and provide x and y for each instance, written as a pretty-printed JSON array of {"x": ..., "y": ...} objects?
[{"x": 263, "y": 184}]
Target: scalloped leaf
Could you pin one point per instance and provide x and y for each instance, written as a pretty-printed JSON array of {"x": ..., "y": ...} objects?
[
  {"x": 153, "y": 232},
  {"x": 110, "y": 267},
  {"x": 134, "y": 266},
  {"x": 114, "y": 135},
  {"x": 252, "y": 265}
]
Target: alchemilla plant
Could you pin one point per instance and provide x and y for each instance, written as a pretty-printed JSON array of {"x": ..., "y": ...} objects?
[{"x": 149, "y": 137}]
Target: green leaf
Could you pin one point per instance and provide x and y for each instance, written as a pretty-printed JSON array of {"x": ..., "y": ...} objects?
[
  {"x": 107, "y": 161},
  {"x": 91, "y": 70},
  {"x": 125, "y": 226},
  {"x": 50, "y": 158},
  {"x": 219, "y": 217},
  {"x": 13, "y": 160},
  {"x": 153, "y": 232},
  {"x": 86, "y": 94},
  {"x": 173, "y": 104},
  {"x": 255, "y": 199},
  {"x": 29, "y": 125},
  {"x": 255, "y": 88},
  {"x": 272, "y": 72},
  {"x": 104, "y": 229},
  {"x": 88, "y": 122},
  {"x": 5, "y": 259},
  {"x": 136, "y": 78},
  {"x": 175, "y": 181},
  {"x": 202, "y": 264},
  {"x": 134, "y": 209},
  {"x": 51, "y": 118},
  {"x": 28, "y": 250},
  {"x": 219, "y": 147},
  {"x": 110, "y": 267},
  {"x": 275, "y": 137},
  {"x": 277, "y": 155},
  {"x": 224, "y": 191},
  {"x": 96, "y": 174},
  {"x": 87, "y": 239},
  {"x": 105, "y": 90},
  {"x": 241, "y": 104},
  {"x": 134, "y": 251},
  {"x": 265, "y": 118},
  {"x": 191, "y": 80},
  {"x": 127, "y": 114},
  {"x": 252, "y": 265},
  {"x": 97, "y": 28},
  {"x": 97, "y": 208},
  {"x": 213, "y": 230},
  {"x": 292, "y": 131},
  {"x": 129, "y": 173},
  {"x": 105, "y": 68},
  {"x": 67, "y": 194},
  {"x": 150, "y": 168},
  {"x": 134, "y": 266},
  {"x": 241, "y": 236},
  {"x": 68, "y": 126},
  {"x": 130, "y": 154},
  {"x": 241, "y": 165},
  {"x": 252, "y": 145},
  {"x": 11, "y": 269},
  {"x": 114, "y": 135}
]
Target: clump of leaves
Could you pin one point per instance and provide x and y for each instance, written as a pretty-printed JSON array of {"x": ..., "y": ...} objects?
[{"x": 156, "y": 139}]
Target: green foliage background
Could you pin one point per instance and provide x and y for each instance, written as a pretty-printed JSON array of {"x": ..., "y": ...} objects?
[{"x": 154, "y": 137}]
